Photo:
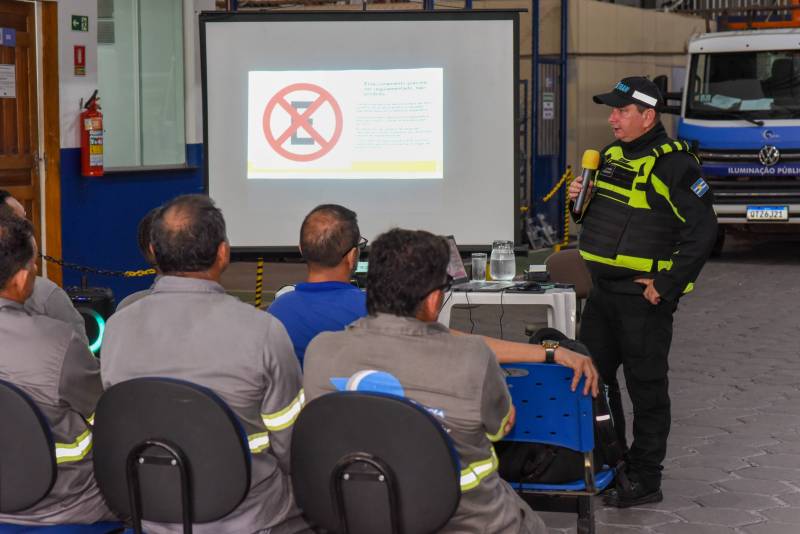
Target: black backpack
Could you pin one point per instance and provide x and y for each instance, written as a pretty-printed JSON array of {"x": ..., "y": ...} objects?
[{"x": 548, "y": 464}]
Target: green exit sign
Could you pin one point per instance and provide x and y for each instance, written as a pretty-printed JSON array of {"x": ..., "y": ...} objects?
[{"x": 80, "y": 23}]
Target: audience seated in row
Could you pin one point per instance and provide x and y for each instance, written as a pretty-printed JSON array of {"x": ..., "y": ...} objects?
[
  {"x": 185, "y": 326},
  {"x": 330, "y": 242},
  {"x": 49, "y": 360}
]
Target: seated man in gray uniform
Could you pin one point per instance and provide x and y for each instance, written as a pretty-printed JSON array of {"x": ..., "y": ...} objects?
[
  {"x": 47, "y": 298},
  {"x": 456, "y": 377},
  {"x": 188, "y": 328},
  {"x": 46, "y": 359},
  {"x": 143, "y": 241}
]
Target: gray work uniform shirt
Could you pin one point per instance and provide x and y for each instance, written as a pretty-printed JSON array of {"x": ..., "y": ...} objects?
[
  {"x": 137, "y": 296},
  {"x": 50, "y": 300},
  {"x": 458, "y": 379},
  {"x": 192, "y": 330},
  {"x": 45, "y": 358}
]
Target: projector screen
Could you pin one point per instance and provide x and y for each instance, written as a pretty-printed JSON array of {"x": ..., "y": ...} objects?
[{"x": 407, "y": 118}]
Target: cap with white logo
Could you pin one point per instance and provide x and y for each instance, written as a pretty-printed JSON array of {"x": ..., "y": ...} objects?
[{"x": 634, "y": 90}]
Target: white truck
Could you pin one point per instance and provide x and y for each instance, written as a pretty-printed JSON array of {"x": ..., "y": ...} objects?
[{"x": 740, "y": 110}]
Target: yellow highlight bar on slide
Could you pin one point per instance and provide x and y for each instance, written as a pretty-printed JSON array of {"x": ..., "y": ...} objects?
[
  {"x": 394, "y": 166},
  {"x": 362, "y": 166}
]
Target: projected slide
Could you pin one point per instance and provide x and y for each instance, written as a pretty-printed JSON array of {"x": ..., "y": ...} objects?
[{"x": 345, "y": 124}]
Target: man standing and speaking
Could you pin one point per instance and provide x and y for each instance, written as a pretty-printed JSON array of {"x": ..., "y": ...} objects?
[{"x": 648, "y": 226}]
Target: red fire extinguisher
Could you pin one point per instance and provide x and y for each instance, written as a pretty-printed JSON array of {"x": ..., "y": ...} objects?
[{"x": 91, "y": 124}]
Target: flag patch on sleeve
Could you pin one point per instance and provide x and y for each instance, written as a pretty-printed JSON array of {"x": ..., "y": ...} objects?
[{"x": 700, "y": 187}]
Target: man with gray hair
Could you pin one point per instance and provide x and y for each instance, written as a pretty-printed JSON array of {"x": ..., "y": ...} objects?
[
  {"x": 188, "y": 328},
  {"x": 47, "y": 360}
]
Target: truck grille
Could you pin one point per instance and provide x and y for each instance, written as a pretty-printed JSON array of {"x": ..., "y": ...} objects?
[
  {"x": 743, "y": 156},
  {"x": 751, "y": 189},
  {"x": 755, "y": 189}
]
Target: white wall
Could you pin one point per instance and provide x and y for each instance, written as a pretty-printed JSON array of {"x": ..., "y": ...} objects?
[{"x": 73, "y": 88}]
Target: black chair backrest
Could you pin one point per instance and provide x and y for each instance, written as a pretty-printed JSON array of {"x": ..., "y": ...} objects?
[
  {"x": 349, "y": 440},
  {"x": 187, "y": 417},
  {"x": 27, "y": 451}
]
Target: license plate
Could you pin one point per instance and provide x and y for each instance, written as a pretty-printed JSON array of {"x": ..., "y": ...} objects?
[{"x": 767, "y": 213}]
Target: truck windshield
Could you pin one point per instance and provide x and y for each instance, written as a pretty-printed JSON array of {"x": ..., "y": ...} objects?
[{"x": 745, "y": 85}]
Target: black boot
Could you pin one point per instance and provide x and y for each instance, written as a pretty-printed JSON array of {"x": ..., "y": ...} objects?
[{"x": 632, "y": 494}]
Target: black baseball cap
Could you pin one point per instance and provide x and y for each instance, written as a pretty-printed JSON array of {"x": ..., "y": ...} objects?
[{"x": 634, "y": 90}]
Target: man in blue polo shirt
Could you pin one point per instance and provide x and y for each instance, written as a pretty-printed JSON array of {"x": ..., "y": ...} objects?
[{"x": 330, "y": 242}]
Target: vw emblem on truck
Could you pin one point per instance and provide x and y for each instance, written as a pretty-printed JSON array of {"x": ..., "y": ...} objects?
[{"x": 769, "y": 155}]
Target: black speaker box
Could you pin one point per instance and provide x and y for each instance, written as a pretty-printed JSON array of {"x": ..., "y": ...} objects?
[{"x": 95, "y": 304}]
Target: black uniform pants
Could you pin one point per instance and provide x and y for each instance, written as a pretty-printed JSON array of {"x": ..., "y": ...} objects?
[{"x": 625, "y": 329}]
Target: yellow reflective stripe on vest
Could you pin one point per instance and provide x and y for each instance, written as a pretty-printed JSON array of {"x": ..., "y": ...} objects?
[
  {"x": 662, "y": 189},
  {"x": 90, "y": 420},
  {"x": 287, "y": 416},
  {"x": 637, "y": 264},
  {"x": 501, "y": 431},
  {"x": 476, "y": 471},
  {"x": 629, "y": 262},
  {"x": 75, "y": 451},
  {"x": 258, "y": 442}
]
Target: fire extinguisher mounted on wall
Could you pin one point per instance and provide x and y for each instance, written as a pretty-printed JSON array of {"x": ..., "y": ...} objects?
[{"x": 91, "y": 124}]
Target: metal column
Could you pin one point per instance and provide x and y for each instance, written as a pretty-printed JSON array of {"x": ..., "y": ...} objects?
[{"x": 549, "y": 123}]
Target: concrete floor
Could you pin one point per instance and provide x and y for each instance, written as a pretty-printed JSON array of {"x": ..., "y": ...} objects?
[{"x": 733, "y": 462}]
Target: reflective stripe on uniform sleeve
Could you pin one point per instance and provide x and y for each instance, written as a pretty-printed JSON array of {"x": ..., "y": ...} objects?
[
  {"x": 286, "y": 417},
  {"x": 477, "y": 471},
  {"x": 75, "y": 451},
  {"x": 502, "y": 431},
  {"x": 258, "y": 442},
  {"x": 90, "y": 420}
]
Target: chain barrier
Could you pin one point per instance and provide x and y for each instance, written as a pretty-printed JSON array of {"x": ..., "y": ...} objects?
[
  {"x": 103, "y": 272},
  {"x": 259, "y": 283},
  {"x": 565, "y": 180}
]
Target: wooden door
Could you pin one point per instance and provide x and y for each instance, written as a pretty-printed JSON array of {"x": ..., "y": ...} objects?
[{"x": 19, "y": 123}]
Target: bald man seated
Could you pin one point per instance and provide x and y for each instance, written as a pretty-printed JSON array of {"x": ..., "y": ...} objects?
[{"x": 188, "y": 328}]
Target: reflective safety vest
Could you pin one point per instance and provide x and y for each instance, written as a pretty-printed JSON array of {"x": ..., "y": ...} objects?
[{"x": 621, "y": 228}]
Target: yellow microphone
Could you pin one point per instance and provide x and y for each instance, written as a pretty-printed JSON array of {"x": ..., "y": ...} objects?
[{"x": 590, "y": 162}]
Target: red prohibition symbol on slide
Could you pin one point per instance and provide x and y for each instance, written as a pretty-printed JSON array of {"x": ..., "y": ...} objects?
[{"x": 301, "y": 120}]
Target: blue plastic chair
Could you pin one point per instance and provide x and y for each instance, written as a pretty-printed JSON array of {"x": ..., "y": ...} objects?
[
  {"x": 548, "y": 412},
  {"x": 28, "y": 463}
]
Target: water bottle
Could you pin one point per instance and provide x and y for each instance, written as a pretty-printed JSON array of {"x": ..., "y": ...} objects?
[{"x": 502, "y": 264}]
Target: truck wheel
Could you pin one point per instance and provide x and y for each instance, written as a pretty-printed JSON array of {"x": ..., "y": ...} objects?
[{"x": 716, "y": 252}]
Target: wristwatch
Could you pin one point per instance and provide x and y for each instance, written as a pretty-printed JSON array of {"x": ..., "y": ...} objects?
[{"x": 550, "y": 347}]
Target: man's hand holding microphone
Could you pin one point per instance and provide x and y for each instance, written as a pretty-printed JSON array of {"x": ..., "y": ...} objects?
[{"x": 577, "y": 192}]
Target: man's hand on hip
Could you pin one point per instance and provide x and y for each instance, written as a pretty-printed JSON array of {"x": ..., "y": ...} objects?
[
  {"x": 583, "y": 367},
  {"x": 650, "y": 291}
]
